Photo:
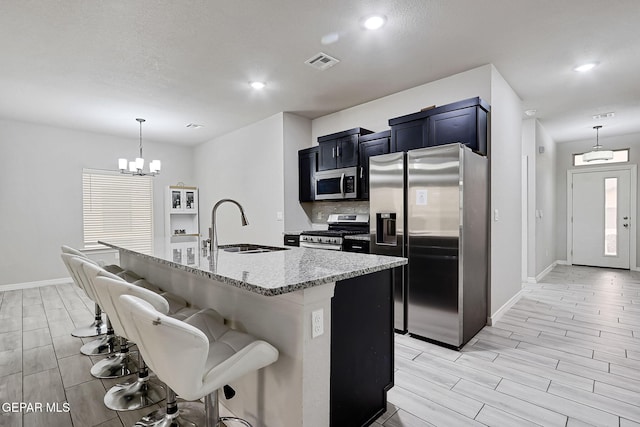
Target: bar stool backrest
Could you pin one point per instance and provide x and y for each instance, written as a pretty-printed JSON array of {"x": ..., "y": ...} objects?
[
  {"x": 174, "y": 350},
  {"x": 71, "y": 251},
  {"x": 73, "y": 264},
  {"x": 110, "y": 290}
]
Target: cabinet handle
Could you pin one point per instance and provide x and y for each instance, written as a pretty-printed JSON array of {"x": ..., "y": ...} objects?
[
  {"x": 356, "y": 247},
  {"x": 338, "y": 150},
  {"x": 361, "y": 171},
  {"x": 333, "y": 152}
]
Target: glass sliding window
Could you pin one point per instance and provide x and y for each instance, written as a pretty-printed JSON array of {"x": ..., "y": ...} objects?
[{"x": 611, "y": 216}]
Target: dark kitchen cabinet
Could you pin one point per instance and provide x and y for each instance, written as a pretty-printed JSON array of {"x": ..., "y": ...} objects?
[
  {"x": 408, "y": 136},
  {"x": 361, "y": 349},
  {"x": 458, "y": 126},
  {"x": 339, "y": 150},
  {"x": 373, "y": 144},
  {"x": 307, "y": 167},
  {"x": 355, "y": 245},
  {"x": 463, "y": 121},
  {"x": 291, "y": 240}
]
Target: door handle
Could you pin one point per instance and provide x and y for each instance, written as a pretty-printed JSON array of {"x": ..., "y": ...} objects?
[
  {"x": 625, "y": 225},
  {"x": 342, "y": 184}
]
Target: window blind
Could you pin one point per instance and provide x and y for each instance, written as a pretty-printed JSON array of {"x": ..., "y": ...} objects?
[{"x": 117, "y": 209}]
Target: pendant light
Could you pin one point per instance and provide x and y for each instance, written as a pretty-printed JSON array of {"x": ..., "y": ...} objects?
[
  {"x": 135, "y": 167},
  {"x": 597, "y": 153}
]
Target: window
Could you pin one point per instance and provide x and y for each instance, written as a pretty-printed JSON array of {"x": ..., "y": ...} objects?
[
  {"x": 619, "y": 156},
  {"x": 117, "y": 209}
]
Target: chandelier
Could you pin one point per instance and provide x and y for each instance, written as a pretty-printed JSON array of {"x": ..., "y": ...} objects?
[
  {"x": 135, "y": 167},
  {"x": 597, "y": 153}
]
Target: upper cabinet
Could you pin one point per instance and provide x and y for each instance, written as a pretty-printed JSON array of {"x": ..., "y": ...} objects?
[
  {"x": 372, "y": 144},
  {"x": 339, "y": 150},
  {"x": 307, "y": 167},
  {"x": 463, "y": 121}
]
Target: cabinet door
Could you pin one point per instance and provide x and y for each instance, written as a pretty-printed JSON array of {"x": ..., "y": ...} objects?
[
  {"x": 327, "y": 155},
  {"x": 454, "y": 126},
  {"x": 368, "y": 149},
  {"x": 407, "y": 136},
  {"x": 347, "y": 151},
  {"x": 307, "y": 162}
]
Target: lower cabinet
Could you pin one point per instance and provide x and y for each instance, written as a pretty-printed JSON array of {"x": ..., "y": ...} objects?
[
  {"x": 361, "y": 349},
  {"x": 356, "y": 245},
  {"x": 291, "y": 240}
]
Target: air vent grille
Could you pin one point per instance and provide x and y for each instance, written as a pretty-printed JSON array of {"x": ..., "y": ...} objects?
[{"x": 321, "y": 61}]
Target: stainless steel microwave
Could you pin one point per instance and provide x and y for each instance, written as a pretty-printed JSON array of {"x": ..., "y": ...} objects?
[{"x": 337, "y": 184}]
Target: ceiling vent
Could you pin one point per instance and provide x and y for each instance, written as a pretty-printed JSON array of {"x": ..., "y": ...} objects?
[
  {"x": 321, "y": 61},
  {"x": 604, "y": 116}
]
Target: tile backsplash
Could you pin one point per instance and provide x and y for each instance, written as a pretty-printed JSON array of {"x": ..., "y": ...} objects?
[{"x": 320, "y": 211}]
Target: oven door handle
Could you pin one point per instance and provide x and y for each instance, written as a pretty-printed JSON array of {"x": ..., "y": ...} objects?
[
  {"x": 342, "y": 184},
  {"x": 320, "y": 246}
]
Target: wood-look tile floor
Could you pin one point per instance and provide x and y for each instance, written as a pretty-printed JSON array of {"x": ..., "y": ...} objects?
[{"x": 567, "y": 354}]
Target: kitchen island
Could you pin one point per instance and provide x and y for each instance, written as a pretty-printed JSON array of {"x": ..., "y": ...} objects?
[{"x": 332, "y": 371}]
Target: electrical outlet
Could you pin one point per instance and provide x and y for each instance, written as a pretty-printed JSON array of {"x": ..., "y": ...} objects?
[{"x": 317, "y": 323}]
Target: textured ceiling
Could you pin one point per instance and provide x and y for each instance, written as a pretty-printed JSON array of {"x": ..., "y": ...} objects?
[{"x": 96, "y": 65}]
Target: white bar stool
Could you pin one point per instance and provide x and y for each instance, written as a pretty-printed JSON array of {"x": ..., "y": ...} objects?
[
  {"x": 120, "y": 363},
  {"x": 210, "y": 355},
  {"x": 142, "y": 392},
  {"x": 99, "y": 326}
]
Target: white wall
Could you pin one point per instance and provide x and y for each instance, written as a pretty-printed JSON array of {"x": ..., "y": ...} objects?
[
  {"x": 297, "y": 136},
  {"x": 41, "y": 192},
  {"x": 564, "y": 162},
  {"x": 545, "y": 224},
  {"x": 529, "y": 151},
  {"x": 506, "y": 192},
  {"x": 375, "y": 115},
  {"x": 245, "y": 165}
]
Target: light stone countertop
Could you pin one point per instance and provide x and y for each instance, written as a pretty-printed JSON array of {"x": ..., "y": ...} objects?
[{"x": 277, "y": 272}]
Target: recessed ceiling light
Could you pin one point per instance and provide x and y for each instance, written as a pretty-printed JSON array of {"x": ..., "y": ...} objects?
[
  {"x": 374, "y": 22},
  {"x": 257, "y": 85},
  {"x": 585, "y": 67}
]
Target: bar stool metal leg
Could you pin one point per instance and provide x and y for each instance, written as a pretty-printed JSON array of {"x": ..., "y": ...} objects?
[
  {"x": 102, "y": 346},
  {"x": 212, "y": 412},
  {"x": 137, "y": 394},
  {"x": 175, "y": 414},
  {"x": 118, "y": 365},
  {"x": 97, "y": 328}
]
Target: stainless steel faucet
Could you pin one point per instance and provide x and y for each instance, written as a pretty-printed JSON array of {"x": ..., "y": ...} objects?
[{"x": 213, "y": 238}]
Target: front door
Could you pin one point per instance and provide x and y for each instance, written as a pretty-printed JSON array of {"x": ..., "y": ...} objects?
[{"x": 601, "y": 219}]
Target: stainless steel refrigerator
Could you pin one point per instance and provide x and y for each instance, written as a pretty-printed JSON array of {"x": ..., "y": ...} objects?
[{"x": 431, "y": 206}]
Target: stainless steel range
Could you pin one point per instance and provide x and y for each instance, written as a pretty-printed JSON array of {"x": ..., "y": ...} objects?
[{"x": 340, "y": 225}]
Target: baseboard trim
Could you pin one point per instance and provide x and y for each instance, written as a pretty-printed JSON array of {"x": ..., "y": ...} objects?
[
  {"x": 491, "y": 320},
  {"x": 546, "y": 271},
  {"x": 28, "y": 285}
]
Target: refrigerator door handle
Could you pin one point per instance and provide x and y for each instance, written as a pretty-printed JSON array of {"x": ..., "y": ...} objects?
[{"x": 342, "y": 184}]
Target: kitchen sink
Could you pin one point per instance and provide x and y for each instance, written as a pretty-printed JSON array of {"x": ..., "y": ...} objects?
[{"x": 250, "y": 249}]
